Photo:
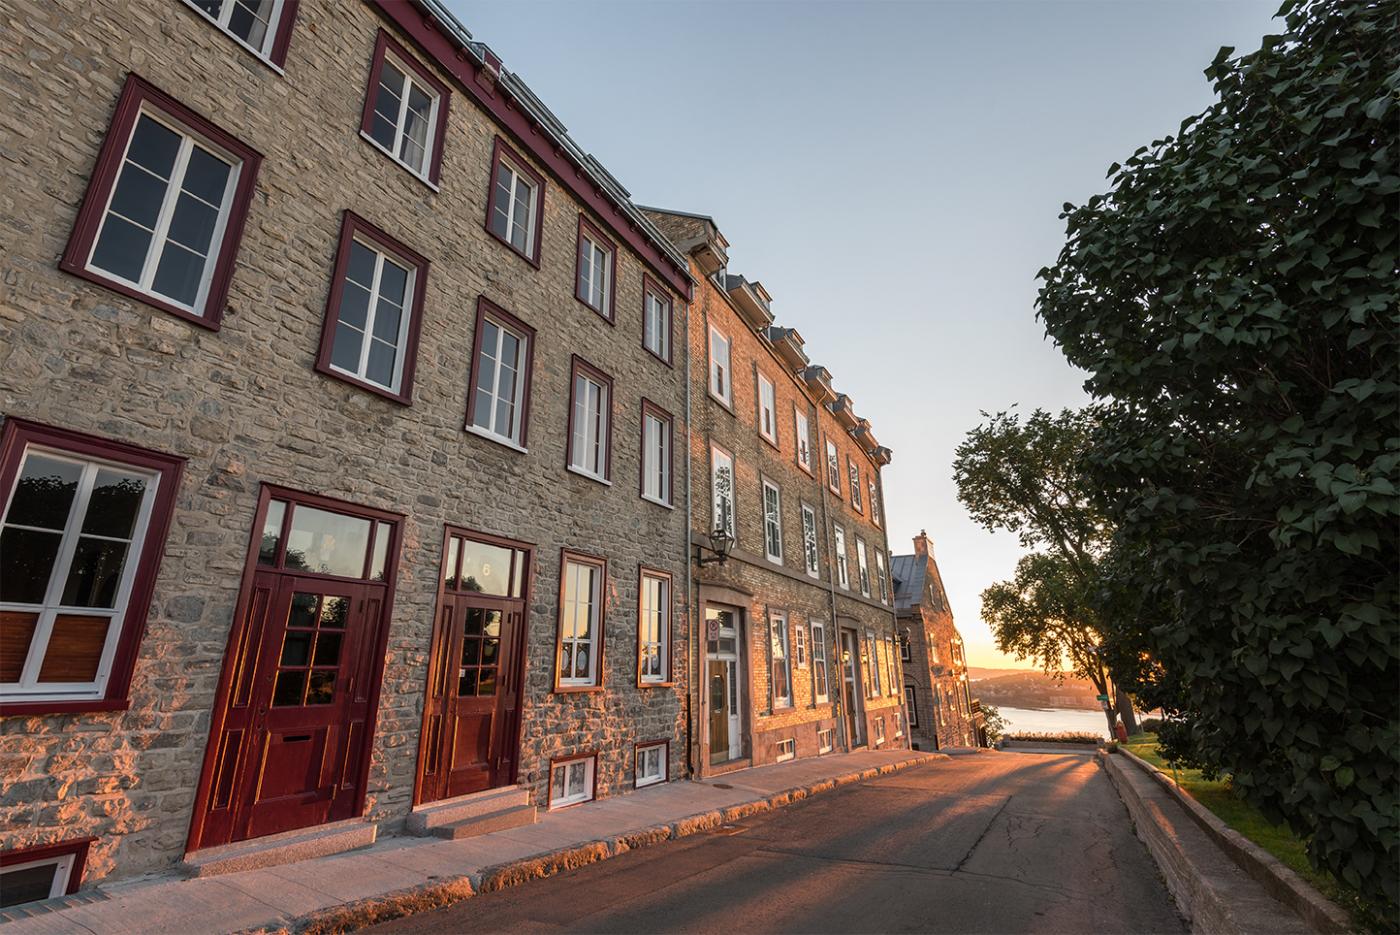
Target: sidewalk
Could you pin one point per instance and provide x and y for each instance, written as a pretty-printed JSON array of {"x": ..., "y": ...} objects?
[{"x": 401, "y": 874}]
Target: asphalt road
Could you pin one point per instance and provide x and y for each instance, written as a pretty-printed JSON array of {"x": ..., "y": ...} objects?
[{"x": 992, "y": 842}]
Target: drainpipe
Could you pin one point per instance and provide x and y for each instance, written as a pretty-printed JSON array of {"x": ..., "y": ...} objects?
[{"x": 695, "y": 624}]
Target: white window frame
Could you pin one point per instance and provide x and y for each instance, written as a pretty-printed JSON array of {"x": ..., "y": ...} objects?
[
  {"x": 804, "y": 439},
  {"x": 595, "y": 273},
  {"x": 274, "y": 24},
  {"x": 767, "y": 409},
  {"x": 159, "y": 233},
  {"x": 862, "y": 567},
  {"x": 874, "y": 503},
  {"x": 412, "y": 78},
  {"x": 62, "y": 875},
  {"x": 643, "y": 777},
  {"x": 594, "y": 640},
  {"x": 656, "y": 323},
  {"x": 772, "y": 522},
  {"x": 518, "y": 178},
  {"x": 656, "y": 458},
  {"x": 28, "y": 688},
  {"x": 833, "y": 468},
  {"x": 586, "y": 795},
  {"x": 721, "y": 372},
  {"x": 661, "y": 617},
  {"x": 786, "y": 750},
  {"x": 882, "y": 576},
  {"x": 811, "y": 556},
  {"x": 826, "y": 740},
  {"x": 853, "y": 472},
  {"x": 891, "y": 685},
  {"x": 821, "y": 674},
  {"x": 838, "y": 539},
  {"x": 382, "y": 255},
  {"x": 522, "y": 355},
  {"x": 778, "y": 627},
  {"x": 589, "y": 428},
  {"x": 874, "y": 650},
  {"x": 717, "y": 457},
  {"x": 879, "y": 730},
  {"x": 799, "y": 646},
  {"x": 911, "y": 704}
]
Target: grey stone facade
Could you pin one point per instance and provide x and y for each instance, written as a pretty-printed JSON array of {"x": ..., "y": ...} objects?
[{"x": 245, "y": 407}]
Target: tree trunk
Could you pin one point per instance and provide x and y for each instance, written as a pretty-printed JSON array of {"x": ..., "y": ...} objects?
[{"x": 1125, "y": 710}]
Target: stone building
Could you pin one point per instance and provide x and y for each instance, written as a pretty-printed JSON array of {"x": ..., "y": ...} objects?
[
  {"x": 939, "y": 702},
  {"x": 341, "y": 411},
  {"x": 796, "y": 655}
]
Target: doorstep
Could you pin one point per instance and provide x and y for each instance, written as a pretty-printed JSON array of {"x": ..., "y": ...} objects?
[
  {"x": 427, "y": 818},
  {"x": 284, "y": 848}
]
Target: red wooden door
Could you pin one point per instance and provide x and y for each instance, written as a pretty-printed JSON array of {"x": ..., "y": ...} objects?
[{"x": 471, "y": 713}]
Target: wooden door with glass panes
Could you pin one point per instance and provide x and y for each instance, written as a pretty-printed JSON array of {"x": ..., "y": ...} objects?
[
  {"x": 471, "y": 715},
  {"x": 294, "y": 718}
]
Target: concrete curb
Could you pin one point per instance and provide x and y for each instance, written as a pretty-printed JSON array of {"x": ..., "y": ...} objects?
[
  {"x": 439, "y": 893},
  {"x": 1281, "y": 882}
]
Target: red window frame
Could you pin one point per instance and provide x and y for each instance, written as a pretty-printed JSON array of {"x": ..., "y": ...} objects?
[
  {"x": 282, "y": 33},
  {"x": 595, "y": 233},
  {"x": 78, "y": 847},
  {"x": 15, "y": 436},
  {"x": 485, "y": 307},
  {"x": 350, "y": 225},
  {"x": 581, "y": 558},
  {"x": 668, "y": 679},
  {"x": 135, "y": 93},
  {"x": 501, "y": 152},
  {"x": 650, "y": 285},
  {"x": 384, "y": 44},
  {"x": 581, "y": 366},
  {"x": 652, "y": 409}
]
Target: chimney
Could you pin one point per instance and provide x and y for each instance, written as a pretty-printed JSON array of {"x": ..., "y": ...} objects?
[{"x": 922, "y": 545}]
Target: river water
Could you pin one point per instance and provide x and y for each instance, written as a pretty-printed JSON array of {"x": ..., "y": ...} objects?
[{"x": 1047, "y": 720}]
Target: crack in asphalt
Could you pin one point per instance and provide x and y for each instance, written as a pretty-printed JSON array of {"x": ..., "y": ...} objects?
[{"x": 968, "y": 856}]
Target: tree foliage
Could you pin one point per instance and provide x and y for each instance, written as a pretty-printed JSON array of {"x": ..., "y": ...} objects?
[{"x": 1233, "y": 298}]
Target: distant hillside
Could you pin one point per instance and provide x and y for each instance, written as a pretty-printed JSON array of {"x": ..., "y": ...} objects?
[
  {"x": 1022, "y": 689},
  {"x": 977, "y": 672}
]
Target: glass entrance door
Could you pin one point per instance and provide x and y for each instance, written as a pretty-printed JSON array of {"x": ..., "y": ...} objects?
[{"x": 725, "y": 685}]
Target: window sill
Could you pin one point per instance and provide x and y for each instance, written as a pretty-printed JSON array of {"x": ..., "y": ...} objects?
[
  {"x": 728, "y": 406},
  {"x": 773, "y": 561},
  {"x": 643, "y": 685},
  {"x": 642, "y": 784},
  {"x": 661, "y": 503},
  {"x": 595, "y": 309},
  {"x": 493, "y": 437},
  {"x": 395, "y": 160},
  {"x": 12, "y": 705},
  {"x": 591, "y": 476},
  {"x": 146, "y": 298},
  {"x": 805, "y": 469},
  {"x": 665, "y": 360},
  {"x": 402, "y": 397},
  {"x": 577, "y": 689},
  {"x": 772, "y": 442}
]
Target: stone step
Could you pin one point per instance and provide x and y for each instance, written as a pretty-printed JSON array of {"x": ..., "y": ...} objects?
[
  {"x": 513, "y": 817},
  {"x": 424, "y": 818},
  {"x": 284, "y": 848}
]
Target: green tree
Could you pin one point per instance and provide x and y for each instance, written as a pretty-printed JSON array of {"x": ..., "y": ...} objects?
[
  {"x": 1233, "y": 299},
  {"x": 1046, "y": 614}
]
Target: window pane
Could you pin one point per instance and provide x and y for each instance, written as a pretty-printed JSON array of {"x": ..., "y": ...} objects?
[
  {"x": 44, "y": 494},
  {"x": 95, "y": 574},
  {"x": 393, "y": 282},
  {"x": 296, "y": 648},
  {"x": 379, "y": 565},
  {"x": 288, "y": 690},
  {"x": 380, "y": 367},
  {"x": 26, "y": 885},
  {"x": 485, "y": 568},
  {"x": 75, "y": 648},
  {"x": 179, "y": 274},
  {"x": 272, "y": 532},
  {"x": 387, "y": 317},
  {"x": 322, "y": 687},
  {"x": 328, "y": 543},
  {"x": 193, "y": 223},
  {"x": 114, "y": 504},
  {"x": 16, "y": 632},
  {"x": 249, "y": 21},
  {"x": 500, "y": 214},
  {"x": 121, "y": 248},
  {"x": 138, "y": 195},
  {"x": 154, "y": 146},
  {"x": 206, "y": 176},
  {"x": 345, "y": 349}
]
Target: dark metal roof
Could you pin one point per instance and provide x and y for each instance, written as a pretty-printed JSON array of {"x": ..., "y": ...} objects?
[{"x": 909, "y": 578}]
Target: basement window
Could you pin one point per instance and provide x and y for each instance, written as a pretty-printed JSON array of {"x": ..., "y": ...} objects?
[
  {"x": 572, "y": 781},
  {"x": 826, "y": 740},
  {"x": 32, "y": 874},
  {"x": 787, "y": 750},
  {"x": 651, "y": 763}
]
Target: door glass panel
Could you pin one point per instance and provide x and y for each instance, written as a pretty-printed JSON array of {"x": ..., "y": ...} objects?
[
  {"x": 272, "y": 532},
  {"x": 296, "y": 649},
  {"x": 334, "y": 612},
  {"x": 289, "y": 687},
  {"x": 328, "y": 649},
  {"x": 322, "y": 688},
  {"x": 471, "y": 649},
  {"x": 473, "y": 623},
  {"x": 378, "y": 565},
  {"x": 303, "y": 612},
  {"x": 487, "y": 684},
  {"x": 493, "y": 623},
  {"x": 327, "y": 543}
]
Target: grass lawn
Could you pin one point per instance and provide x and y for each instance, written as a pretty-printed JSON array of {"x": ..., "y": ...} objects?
[{"x": 1248, "y": 821}]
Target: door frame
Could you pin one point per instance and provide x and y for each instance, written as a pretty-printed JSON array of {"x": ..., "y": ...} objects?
[
  {"x": 743, "y": 675},
  {"x": 527, "y": 590},
  {"x": 238, "y": 633},
  {"x": 855, "y": 717}
]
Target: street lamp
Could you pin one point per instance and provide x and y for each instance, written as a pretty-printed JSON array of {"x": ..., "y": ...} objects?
[{"x": 721, "y": 544}]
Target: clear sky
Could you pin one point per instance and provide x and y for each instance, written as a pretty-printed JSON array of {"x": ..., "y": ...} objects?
[{"x": 893, "y": 174}]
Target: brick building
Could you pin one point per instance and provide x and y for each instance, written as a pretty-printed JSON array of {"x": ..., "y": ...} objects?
[
  {"x": 941, "y": 709},
  {"x": 338, "y": 455},
  {"x": 796, "y": 655}
]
